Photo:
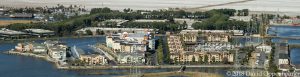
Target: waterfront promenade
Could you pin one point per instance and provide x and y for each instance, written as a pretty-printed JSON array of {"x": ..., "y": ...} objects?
[
  {"x": 170, "y": 74},
  {"x": 67, "y": 67}
]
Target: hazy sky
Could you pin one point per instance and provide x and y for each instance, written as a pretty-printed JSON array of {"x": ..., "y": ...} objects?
[{"x": 257, "y": 5}]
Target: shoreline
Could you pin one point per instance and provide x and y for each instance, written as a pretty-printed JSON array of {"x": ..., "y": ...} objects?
[
  {"x": 43, "y": 57},
  {"x": 50, "y": 38},
  {"x": 175, "y": 74},
  {"x": 62, "y": 67}
]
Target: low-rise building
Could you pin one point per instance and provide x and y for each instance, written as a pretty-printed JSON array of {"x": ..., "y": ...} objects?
[
  {"x": 257, "y": 58},
  {"x": 19, "y": 47},
  {"x": 57, "y": 53},
  {"x": 190, "y": 41},
  {"x": 216, "y": 37},
  {"x": 40, "y": 32},
  {"x": 215, "y": 51},
  {"x": 191, "y": 56},
  {"x": 278, "y": 21},
  {"x": 21, "y": 15},
  {"x": 149, "y": 20},
  {"x": 88, "y": 57},
  {"x": 283, "y": 59},
  {"x": 39, "y": 48},
  {"x": 56, "y": 50},
  {"x": 174, "y": 43},
  {"x": 2, "y": 11},
  {"x": 24, "y": 47},
  {"x": 93, "y": 59},
  {"x": 127, "y": 42},
  {"x": 127, "y": 58},
  {"x": 130, "y": 47},
  {"x": 241, "y": 18},
  {"x": 215, "y": 46},
  {"x": 283, "y": 62},
  {"x": 189, "y": 37},
  {"x": 11, "y": 34},
  {"x": 118, "y": 22},
  {"x": 230, "y": 32},
  {"x": 114, "y": 30},
  {"x": 264, "y": 48}
]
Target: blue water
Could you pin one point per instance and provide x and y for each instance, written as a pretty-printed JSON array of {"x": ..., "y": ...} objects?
[
  {"x": 22, "y": 66},
  {"x": 285, "y": 31},
  {"x": 288, "y": 31}
]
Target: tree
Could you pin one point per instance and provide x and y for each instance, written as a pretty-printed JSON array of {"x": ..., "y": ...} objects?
[
  {"x": 89, "y": 32},
  {"x": 200, "y": 60},
  {"x": 225, "y": 60},
  {"x": 239, "y": 13},
  {"x": 298, "y": 17},
  {"x": 176, "y": 60},
  {"x": 100, "y": 32},
  {"x": 59, "y": 17},
  {"x": 160, "y": 55},
  {"x": 286, "y": 17},
  {"x": 213, "y": 59},
  {"x": 245, "y": 12},
  {"x": 193, "y": 59},
  {"x": 100, "y": 10},
  {"x": 167, "y": 53},
  {"x": 206, "y": 58},
  {"x": 185, "y": 26},
  {"x": 220, "y": 22},
  {"x": 127, "y": 10}
]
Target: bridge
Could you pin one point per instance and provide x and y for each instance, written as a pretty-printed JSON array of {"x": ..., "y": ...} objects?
[
  {"x": 101, "y": 51},
  {"x": 110, "y": 57}
]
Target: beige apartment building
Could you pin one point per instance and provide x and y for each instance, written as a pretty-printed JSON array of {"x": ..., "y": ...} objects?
[
  {"x": 175, "y": 45},
  {"x": 93, "y": 59},
  {"x": 212, "y": 57},
  {"x": 189, "y": 37},
  {"x": 217, "y": 37}
]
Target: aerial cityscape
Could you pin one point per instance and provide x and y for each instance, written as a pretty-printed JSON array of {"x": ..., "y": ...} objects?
[{"x": 149, "y": 38}]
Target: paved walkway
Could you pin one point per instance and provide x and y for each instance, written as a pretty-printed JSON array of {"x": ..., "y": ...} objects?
[{"x": 110, "y": 57}]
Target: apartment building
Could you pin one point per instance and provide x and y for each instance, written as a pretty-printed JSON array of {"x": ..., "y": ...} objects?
[
  {"x": 93, "y": 59},
  {"x": 217, "y": 37}
]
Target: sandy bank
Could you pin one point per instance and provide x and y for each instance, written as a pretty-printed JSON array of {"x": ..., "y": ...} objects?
[{"x": 8, "y": 22}]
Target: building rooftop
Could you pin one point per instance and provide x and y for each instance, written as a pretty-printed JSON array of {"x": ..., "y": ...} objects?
[
  {"x": 38, "y": 45},
  {"x": 119, "y": 21},
  {"x": 39, "y": 31},
  {"x": 115, "y": 29},
  {"x": 149, "y": 20},
  {"x": 283, "y": 56},
  {"x": 10, "y": 32},
  {"x": 213, "y": 47},
  {"x": 212, "y": 31},
  {"x": 136, "y": 34},
  {"x": 56, "y": 48},
  {"x": 284, "y": 66},
  {"x": 241, "y": 18},
  {"x": 132, "y": 54},
  {"x": 91, "y": 55},
  {"x": 22, "y": 15}
]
